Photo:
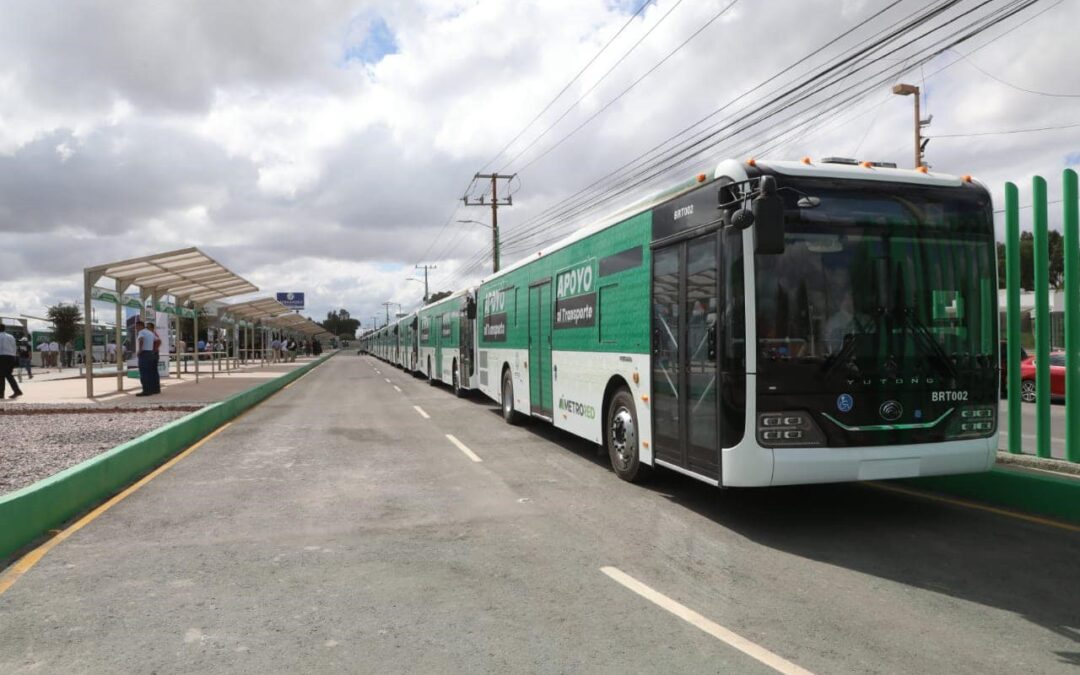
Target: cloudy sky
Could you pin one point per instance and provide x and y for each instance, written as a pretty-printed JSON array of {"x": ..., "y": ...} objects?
[{"x": 323, "y": 146}]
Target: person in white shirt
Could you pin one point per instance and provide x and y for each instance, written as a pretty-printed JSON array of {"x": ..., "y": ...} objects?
[
  {"x": 146, "y": 345},
  {"x": 8, "y": 351},
  {"x": 54, "y": 354}
]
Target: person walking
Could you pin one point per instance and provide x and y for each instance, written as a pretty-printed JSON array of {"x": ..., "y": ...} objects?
[
  {"x": 26, "y": 355},
  {"x": 146, "y": 344},
  {"x": 275, "y": 350},
  {"x": 8, "y": 351}
]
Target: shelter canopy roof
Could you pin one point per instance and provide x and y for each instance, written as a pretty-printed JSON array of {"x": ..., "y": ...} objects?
[
  {"x": 188, "y": 274},
  {"x": 258, "y": 309}
]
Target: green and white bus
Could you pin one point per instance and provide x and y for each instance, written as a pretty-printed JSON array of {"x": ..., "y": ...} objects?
[
  {"x": 771, "y": 323},
  {"x": 447, "y": 342}
]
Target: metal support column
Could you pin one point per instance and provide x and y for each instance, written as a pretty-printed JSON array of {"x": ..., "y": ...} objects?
[
  {"x": 1012, "y": 319},
  {"x": 1071, "y": 225},
  {"x": 1041, "y": 255}
]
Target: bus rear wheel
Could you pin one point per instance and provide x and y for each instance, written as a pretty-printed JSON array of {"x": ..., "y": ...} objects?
[
  {"x": 458, "y": 391},
  {"x": 509, "y": 414},
  {"x": 621, "y": 437}
]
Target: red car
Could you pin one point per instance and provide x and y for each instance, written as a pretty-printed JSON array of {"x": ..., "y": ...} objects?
[{"x": 1057, "y": 377}]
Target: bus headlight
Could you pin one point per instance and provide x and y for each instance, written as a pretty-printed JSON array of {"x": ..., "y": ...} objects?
[
  {"x": 793, "y": 428},
  {"x": 973, "y": 422}
]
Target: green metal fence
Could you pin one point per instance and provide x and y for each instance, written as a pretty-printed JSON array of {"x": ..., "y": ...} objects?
[{"x": 1043, "y": 328}]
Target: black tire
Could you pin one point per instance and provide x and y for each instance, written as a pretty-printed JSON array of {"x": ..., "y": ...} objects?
[
  {"x": 510, "y": 415},
  {"x": 622, "y": 438},
  {"x": 458, "y": 391},
  {"x": 430, "y": 375},
  {"x": 1027, "y": 391}
]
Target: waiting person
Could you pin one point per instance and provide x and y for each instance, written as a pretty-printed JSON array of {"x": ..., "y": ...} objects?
[
  {"x": 8, "y": 351},
  {"x": 25, "y": 354},
  {"x": 146, "y": 345},
  {"x": 69, "y": 354},
  {"x": 275, "y": 350},
  {"x": 54, "y": 354}
]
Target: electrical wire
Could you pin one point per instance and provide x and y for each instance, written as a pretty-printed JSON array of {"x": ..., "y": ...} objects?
[
  {"x": 565, "y": 88},
  {"x": 973, "y": 28},
  {"x": 1006, "y": 132},
  {"x": 596, "y": 84}
]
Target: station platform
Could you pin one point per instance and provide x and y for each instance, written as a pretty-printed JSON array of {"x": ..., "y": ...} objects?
[{"x": 71, "y": 390}]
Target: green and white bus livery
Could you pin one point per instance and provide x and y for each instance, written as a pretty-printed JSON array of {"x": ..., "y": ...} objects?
[
  {"x": 447, "y": 342},
  {"x": 866, "y": 295}
]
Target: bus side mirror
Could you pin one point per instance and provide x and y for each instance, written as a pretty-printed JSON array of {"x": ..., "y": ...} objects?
[{"x": 768, "y": 219}]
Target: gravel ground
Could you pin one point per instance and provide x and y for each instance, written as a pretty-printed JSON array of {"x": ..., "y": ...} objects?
[{"x": 37, "y": 442}]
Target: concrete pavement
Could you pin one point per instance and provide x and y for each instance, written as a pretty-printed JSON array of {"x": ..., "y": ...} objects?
[{"x": 338, "y": 528}]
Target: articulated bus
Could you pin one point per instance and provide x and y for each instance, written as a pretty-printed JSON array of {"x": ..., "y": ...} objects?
[{"x": 772, "y": 323}]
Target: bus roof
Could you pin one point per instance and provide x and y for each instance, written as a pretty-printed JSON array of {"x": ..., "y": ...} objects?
[{"x": 738, "y": 170}]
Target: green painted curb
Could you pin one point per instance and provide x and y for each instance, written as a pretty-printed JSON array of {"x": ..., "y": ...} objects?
[
  {"x": 1031, "y": 492},
  {"x": 29, "y": 513}
]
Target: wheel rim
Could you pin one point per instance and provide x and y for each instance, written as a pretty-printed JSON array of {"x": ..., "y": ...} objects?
[
  {"x": 1027, "y": 391},
  {"x": 623, "y": 437}
]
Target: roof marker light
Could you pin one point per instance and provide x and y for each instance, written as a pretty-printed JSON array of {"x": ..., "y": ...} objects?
[
  {"x": 701, "y": 178},
  {"x": 922, "y": 169},
  {"x": 966, "y": 178},
  {"x": 806, "y": 160},
  {"x": 752, "y": 161},
  {"x": 866, "y": 165}
]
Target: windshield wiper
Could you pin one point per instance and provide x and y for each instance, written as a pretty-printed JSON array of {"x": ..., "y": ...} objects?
[
  {"x": 848, "y": 349},
  {"x": 930, "y": 344}
]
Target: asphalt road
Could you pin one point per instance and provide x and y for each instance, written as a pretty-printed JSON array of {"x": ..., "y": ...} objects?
[{"x": 337, "y": 528}]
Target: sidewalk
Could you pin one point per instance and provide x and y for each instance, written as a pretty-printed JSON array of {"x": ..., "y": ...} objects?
[{"x": 72, "y": 391}]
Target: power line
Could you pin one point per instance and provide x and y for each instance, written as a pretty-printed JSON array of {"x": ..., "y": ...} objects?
[
  {"x": 1006, "y": 132},
  {"x": 779, "y": 103},
  {"x": 633, "y": 84},
  {"x": 574, "y": 79},
  {"x": 653, "y": 156},
  {"x": 593, "y": 87},
  {"x": 1013, "y": 86}
]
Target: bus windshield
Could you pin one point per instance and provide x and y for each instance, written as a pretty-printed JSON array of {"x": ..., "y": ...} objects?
[{"x": 877, "y": 280}]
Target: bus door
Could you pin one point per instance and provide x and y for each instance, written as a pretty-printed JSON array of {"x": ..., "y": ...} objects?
[
  {"x": 684, "y": 358},
  {"x": 437, "y": 339},
  {"x": 540, "y": 396},
  {"x": 466, "y": 321}
]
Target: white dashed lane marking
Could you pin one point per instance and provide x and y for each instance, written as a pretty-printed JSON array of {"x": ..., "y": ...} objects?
[
  {"x": 421, "y": 411},
  {"x": 462, "y": 447},
  {"x": 751, "y": 649}
]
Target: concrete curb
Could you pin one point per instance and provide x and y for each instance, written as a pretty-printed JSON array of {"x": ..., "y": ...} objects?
[
  {"x": 30, "y": 513},
  {"x": 1028, "y": 491}
]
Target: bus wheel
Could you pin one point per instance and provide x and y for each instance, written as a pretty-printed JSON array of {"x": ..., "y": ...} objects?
[
  {"x": 458, "y": 391},
  {"x": 509, "y": 414},
  {"x": 621, "y": 437}
]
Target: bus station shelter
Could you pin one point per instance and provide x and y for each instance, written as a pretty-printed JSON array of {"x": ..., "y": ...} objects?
[
  {"x": 256, "y": 313},
  {"x": 187, "y": 275}
]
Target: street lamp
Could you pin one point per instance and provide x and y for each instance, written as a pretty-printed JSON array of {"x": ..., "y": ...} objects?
[
  {"x": 920, "y": 143},
  {"x": 494, "y": 242}
]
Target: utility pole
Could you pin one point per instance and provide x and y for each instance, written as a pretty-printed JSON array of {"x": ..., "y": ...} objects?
[
  {"x": 495, "y": 204},
  {"x": 387, "y": 306},
  {"x": 920, "y": 142},
  {"x": 426, "y": 268}
]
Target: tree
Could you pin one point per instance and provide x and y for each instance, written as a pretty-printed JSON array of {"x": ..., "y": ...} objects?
[
  {"x": 435, "y": 297},
  {"x": 1055, "y": 244},
  {"x": 340, "y": 322},
  {"x": 67, "y": 322}
]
